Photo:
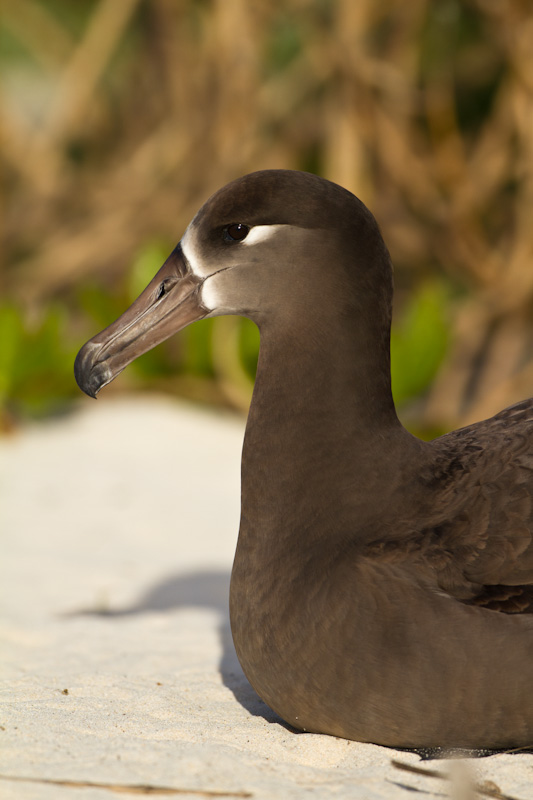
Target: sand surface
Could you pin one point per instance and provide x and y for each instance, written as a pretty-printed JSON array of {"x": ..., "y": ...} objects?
[{"x": 118, "y": 527}]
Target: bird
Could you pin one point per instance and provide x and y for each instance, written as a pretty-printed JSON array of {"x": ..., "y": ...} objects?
[{"x": 382, "y": 587}]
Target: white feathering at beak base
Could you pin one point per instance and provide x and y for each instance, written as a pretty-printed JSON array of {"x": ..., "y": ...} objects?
[{"x": 256, "y": 235}]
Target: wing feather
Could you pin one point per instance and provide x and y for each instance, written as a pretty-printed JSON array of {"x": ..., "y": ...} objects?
[{"x": 476, "y": 539}]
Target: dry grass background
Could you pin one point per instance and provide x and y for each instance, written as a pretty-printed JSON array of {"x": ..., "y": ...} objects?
[{"x": 121, "y": 118}]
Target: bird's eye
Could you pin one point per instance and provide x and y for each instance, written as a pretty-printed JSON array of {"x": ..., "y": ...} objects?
[{"x": 236, "y": 232}]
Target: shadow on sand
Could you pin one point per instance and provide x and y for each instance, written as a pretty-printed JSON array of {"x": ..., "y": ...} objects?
[{"x": 202, "y": 589}]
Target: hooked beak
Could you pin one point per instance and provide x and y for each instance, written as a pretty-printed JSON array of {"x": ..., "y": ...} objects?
[{"x": 169, "y": 303}]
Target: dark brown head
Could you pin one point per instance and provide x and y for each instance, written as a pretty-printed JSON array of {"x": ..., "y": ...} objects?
[{"x": 276, "y": 246}]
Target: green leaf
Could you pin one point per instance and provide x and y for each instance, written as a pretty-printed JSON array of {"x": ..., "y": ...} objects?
[
  {"x": 42, "y": 375},
  {"x": 11, "y": 337},
  {"x": 101, "y": 305},
  {"x": 419, "y": 341},
  {"x": 195, "y": 341},
  {"x": 145, "y": 265},
  {"x": 249, "y": 346}
]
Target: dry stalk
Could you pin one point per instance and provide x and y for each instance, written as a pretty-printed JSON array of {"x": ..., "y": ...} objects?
[{"x": 134, "y": 140}]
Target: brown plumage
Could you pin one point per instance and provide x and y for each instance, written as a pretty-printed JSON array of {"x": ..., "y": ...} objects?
[
  {"x": 477, "y": 539},
  {"x": 382, "y": 587}
]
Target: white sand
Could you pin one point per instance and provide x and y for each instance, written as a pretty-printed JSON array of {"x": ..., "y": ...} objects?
[{"x": 132, "y": 507}]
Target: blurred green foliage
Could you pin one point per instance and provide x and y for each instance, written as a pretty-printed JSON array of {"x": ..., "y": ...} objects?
[
  {"x": 36, "y": 357},
  {"x": 419, "y": 340},
  {"x": 423, "y": 110},
  {"x": 35, "y": 362}
]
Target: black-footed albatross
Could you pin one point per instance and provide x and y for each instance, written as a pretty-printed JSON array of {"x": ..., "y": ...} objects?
[{"x": 382, "y": 588}]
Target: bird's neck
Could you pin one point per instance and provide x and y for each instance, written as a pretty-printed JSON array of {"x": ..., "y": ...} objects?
[{"x": 321, "y": 430}]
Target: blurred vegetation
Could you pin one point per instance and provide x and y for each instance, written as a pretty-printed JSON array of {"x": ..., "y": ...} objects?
[{"x": 120, "y": 118}]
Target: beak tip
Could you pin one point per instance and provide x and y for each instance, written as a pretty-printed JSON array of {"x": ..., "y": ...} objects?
[{"x": 89, "y": 374}]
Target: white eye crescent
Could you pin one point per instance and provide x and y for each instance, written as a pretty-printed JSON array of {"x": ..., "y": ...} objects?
[{"x": 260, "y": 233}]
